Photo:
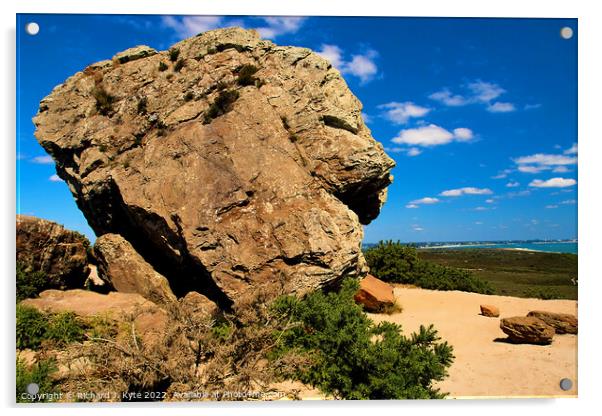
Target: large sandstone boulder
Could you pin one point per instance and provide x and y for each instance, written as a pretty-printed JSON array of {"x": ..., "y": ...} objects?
[
  {"x": 527, "y": 329},
  {"x": 222, "y": 178},
  {"x": 127, "y": 271},
  {"x": 374, "y": 294},
  {"x": 48, "y": 247},
  {"x": 563, "y": 323}
]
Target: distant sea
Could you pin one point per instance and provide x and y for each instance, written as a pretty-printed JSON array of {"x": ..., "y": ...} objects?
[{"x": 552, "y": 247}]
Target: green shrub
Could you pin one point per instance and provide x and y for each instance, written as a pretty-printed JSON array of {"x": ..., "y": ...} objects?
[
  {"x": 173, "y": 54},
  {"x": 104, "y": 100},
  {"x": 179, "y": 65},
  {"x": 542, "y": 293},
  {"x": 245, "y": 75},
  {"x": 34, "y": 327},
  {"x": 394, "y": 262},
  {"x": 64, "y": 328},
  {"x": 352, "y": 358},
  {"x": 29, "y": 283},
  {"x": 162, "y": 66},
  {"x": 40, "y": 373},
  {"x": 31, "y": 327},
  {"x": 188, "y": 96},
  {"x": 222, "y": 104}
]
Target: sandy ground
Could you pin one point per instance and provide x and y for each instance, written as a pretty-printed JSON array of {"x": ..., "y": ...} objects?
[{"x": 484, "y": 365}]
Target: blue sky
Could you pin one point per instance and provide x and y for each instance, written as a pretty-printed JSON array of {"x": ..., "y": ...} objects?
[{"x": 479, "y": 114}]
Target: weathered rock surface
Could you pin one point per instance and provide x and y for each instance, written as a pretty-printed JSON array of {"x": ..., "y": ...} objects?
[
  {"x": 127, "y": 271},
  {"x": 48, "y": 247},
  {"x": 199, "y": 306},
  {"x": 221, "y": 197},
  {"x": 563, "y": 323},
  {"x": 490, "y": 311},
  {"x": 374, "y": 294},
  {"x": 527, "y": 329}
]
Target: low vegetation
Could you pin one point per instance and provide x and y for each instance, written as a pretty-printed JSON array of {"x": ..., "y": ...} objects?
[
  {"x": 104, "y": 100},
  {"x": 39, "y": 373},
  {"x": 179, "y": 65},
  {"x": 513, "y": 272},
  {"x": 162, "y": 66},
  {"x": 397, "y": 263},
  {"x": 349, "y": 357},
  {"x": 29, "y": 283},
  {"x": 35, "y": 328},
  {"x": 222, "y": 104},
  {"x": 174, "y": 53},
  {"x": 246, "y": 75}
]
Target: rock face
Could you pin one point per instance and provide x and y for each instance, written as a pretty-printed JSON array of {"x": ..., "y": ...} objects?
[
  {"x": 490, "y": 311},
  {"x": 227, "y": 163},
  {"x": 527, "y": 329},
  {"x": 374, "y": 294},
  {"x": 126, "y": 271},
  {"x": 563, "y": 323},
  {"x": 48, "y": 247}
]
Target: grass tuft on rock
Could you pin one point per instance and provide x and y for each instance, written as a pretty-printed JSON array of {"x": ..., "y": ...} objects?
[{"x": 222, "y": 105}]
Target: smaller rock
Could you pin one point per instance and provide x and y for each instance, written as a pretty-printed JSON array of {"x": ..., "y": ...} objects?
[
  {"x": 131, "y": 54},
  {"x": 199, "y": 305},
  {"x": 527, "y": 330},
  {"x": 374, "y": 294},
  {"x": 127, "y": 271},
  {"x": 563, "y": 323},
  {"x": 490, "y": 311}
]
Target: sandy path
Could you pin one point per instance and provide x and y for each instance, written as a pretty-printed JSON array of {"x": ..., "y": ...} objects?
[{"x": 484, "y": 367}]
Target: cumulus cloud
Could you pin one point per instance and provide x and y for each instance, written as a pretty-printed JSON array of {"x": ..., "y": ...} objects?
[
  {"x": 362, "y": 66},
  {"x": 432, "y": 135},
  {"x": 512, "y": 184},
  {"x": 560, "y": 169},
  {"x": 572, "y": 150},
  {"x": 43, "y": 160},
  {"x": 413, "y": 151},
  {"x": 280, "y": 25},
  {"x": 55, "y": 178},
  {"x": 546, "y": 160},
  {"x": 553, "y": 183},
  {"x": 187, "y": 26},
  {"x": 426, "y": 201},
  {"x": 532, "y": 169},
  {"x": 500, "y": 107},
  {"x": 446, "y": 97},
  {"x": 477, "y": 92},
  {"x": 400, "y": 113},
  {"x": 467, "y": 191}
]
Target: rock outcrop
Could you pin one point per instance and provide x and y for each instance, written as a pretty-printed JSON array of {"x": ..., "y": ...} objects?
[
  {"x": 527, "y": 329},
  {"x": 490, "y": 311},
  {"x": 563, "y": 323},
  {"x": 126, "y": 271},
  {"x": 227, "y": 162},
  {"x": 48, "y": 247},
  {"x": 374, "y": 294}
]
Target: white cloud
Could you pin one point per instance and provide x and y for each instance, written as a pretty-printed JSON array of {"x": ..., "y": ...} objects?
[
  {"x": 560, "y": 169},
  {"x": 500, "y": 107},
  {"x": 279, "y": 25},
  {"x": 551, "y": 206},
  {"x": 502, "y": 174},
  {"x": 532, "y": 169},
  {"x": 553, "y": 183},
  {"x": 432, "y": 135},
  {"x": 512, "y": 184},
  {"x": 362, "y": 66},
  {"x": 55, "y": 178},
  {"x": 485, "y": 91},
  {"x": 188, "y": 26},
  {"x": 532, "y": 106},
  {"x": 481, "y": 209},
  {"x": 572, "y": 150},
  {"x": 446, "y": 97},
  {"x": 546, "y": 160},
  {"x": 333, "y": 54},
  {"x": 490, "y": 201},
  {"x": 478, "y": 92},
  {"x": 426, "y": 200},
  {"x": 467, "y": 191},
  {"x": 416, "y": 227},
  {"x": 43, "y": 160},
  {"x": 412, "y": 206},
  {"x": 462, "y": 134},
  {"x": 478, "y": 223},
  {"x": 400, "y": 113},
  {"x": 414, "y": 151},
  {"x": 569, "y": 202}
]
